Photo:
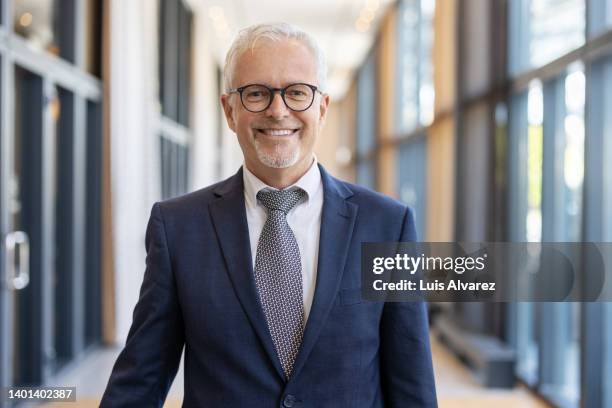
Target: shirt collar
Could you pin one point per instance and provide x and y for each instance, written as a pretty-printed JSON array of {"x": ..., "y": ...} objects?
[{"x": 310, "y": 182}]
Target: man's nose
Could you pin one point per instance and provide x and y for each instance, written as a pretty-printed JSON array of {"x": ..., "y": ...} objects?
[{"x": 277, "y": 108}]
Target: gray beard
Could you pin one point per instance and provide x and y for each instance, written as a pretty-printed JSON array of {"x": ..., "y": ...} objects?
[{"x": 277, "y": 160}]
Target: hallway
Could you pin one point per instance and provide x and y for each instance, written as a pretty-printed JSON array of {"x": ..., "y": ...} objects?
[{"x": 455, "y": 384}]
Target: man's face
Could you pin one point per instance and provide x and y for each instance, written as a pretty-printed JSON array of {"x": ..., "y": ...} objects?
[{"x": 277, "y": 138}]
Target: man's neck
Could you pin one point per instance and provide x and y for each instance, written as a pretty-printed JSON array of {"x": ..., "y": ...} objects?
[{"x": 280, "y": 178}]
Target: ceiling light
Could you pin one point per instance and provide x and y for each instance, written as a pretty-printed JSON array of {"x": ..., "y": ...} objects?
[{"x": 26, "y": 19}]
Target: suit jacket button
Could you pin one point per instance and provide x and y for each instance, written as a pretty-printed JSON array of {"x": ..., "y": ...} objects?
[{"x": 289, "y": 401}]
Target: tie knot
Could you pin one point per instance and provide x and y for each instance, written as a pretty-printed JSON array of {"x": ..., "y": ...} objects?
[{"x": 281, "y": 200}]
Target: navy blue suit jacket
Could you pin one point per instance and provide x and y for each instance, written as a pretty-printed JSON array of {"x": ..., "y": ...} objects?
[{"x": 199, "y": 292}]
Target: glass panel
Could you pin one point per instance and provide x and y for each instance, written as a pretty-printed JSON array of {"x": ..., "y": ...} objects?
[
  {"x": 570, "y": 387},
  {"x": 563, "y": 382},
  {"x": 573, "y": 153},
  {"x": 426, "y": 87},
  {"x": 25, "y": 200},
  {"x": 184, "y": 64},
  {"x": 4, "y": 312},
  {"x": 525, "y": 213},
  {"x": 535, "y": 106},
  {"x": 36, "y": 20},
  {"x": 168, "y": 58},
  {"x": 600, "y": 16},
  {"x": 556, "y": 26},
  {"x": 184, "y": 168},
  {"x": 93, "y": 37},
  {"x": 93, "y": 231},
  {"x": 366, "y": 107},
  {"x": 607, "y": 349},
  {"x": 543, "y": 30},
  {"x": 411, "y": 180},
  {"x": 175, "y": 23},
  {"x": 164, "y": 160},
  {"x": 600, "y": 123},
  {"x": 174, "y": 167},
  {"x": 526, "y": 345},
  {"x": 366, "y": 175},
  {"x": 415, "y": 96},
  {"x": 474, "y": 201},
  {"x": 61, "y": 107}
]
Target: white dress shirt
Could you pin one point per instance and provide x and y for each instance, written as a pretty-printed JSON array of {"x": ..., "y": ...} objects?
[{"x": 304, "y": 219}]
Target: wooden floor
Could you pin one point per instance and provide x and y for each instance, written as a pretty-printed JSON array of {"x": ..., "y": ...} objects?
[{"x": 456, "y": 387}]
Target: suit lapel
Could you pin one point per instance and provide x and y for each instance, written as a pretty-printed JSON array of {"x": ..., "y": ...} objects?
[
  {"x": 229, "y": 219},
  {"x": 337, "y": 221}
]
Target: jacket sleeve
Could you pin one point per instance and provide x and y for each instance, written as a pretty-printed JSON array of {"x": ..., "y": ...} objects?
[
  {"x": 144, "y": 370},
  {"x": 406, "y": 366}
]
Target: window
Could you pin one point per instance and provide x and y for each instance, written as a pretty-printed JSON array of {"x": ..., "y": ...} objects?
[
  {"x": 35, "y": 21},
  {"x": 415, "y": 90},
  {"x": 175, "y": 60},
  {"x": 175, "y": 45},
  {"x": 597, "y": 340},
  {"x": 46, "y": 176},
  {"x": 547, "y": 335},
  {"x": 546, "y": 172},
  {"x": 411, "y": 177},
  {"x": 49, "y": 25},
  {"x": 174, "y": 164},
  {"x": 563, "y": 174},
  {"x": 533, "y": 221},
  {"x": 524, "y": 214},
  {"x": 93, "y": 37},
  {"x": 600, "y": 16},
  {"x": 367, "y": 102},
  {"x": 366, "y": 107},
  {"x": 543, "y": 30}
]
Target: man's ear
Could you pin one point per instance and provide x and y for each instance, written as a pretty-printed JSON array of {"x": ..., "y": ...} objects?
[
  {"x": 323, "y": 109},
  {"x": 228, "y": 109}
]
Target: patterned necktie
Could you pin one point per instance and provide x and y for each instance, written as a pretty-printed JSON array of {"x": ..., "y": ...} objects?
[{"x": 278, "y": 275}]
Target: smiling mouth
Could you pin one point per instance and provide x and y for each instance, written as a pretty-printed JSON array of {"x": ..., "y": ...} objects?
[{"x": 277, "y": 132}]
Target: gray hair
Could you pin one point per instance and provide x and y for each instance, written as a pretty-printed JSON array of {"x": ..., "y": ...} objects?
[{"x": 248, "y": 37}]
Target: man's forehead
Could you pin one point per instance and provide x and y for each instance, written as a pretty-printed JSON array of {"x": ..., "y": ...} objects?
[{"x": 269, "y": 61}]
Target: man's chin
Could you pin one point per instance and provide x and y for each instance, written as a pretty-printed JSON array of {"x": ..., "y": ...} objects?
[{"x": 278, "y": 161}]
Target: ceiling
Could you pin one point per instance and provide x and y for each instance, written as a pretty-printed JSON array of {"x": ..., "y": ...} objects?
[{"x": 344, "y": 28}]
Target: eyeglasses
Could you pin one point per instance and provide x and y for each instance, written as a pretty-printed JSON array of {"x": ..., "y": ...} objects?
[{"x": 257, "y": 98}]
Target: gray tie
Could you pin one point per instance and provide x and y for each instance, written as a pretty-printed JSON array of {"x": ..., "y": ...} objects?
[{"x": 278, "y": 275}]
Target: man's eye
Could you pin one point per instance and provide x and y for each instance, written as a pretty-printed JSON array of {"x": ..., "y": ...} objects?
[
  {"x": 255, "y": 94},
  {"x": 297, "y": 93}
]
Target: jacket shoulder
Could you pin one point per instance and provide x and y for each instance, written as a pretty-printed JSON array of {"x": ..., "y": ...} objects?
[
  {"x": 194, "y": 201},
  {"x": 373, "y": 200}
]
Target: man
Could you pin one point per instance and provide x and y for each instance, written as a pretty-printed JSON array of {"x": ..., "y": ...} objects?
[{"x": 259, "y": 277}]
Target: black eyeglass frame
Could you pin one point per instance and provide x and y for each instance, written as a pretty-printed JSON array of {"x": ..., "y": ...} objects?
[{"x": 272, "y": 91}]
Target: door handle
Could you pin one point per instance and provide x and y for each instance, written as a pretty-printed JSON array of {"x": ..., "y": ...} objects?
[{"x": 17, "y": 273}]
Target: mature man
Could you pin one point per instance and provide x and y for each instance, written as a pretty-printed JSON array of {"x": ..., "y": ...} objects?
[{"x": 258, "y": 276}]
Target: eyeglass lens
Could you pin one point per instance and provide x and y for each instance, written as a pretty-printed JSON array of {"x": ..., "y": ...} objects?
[{"x": 257, "y": 98}]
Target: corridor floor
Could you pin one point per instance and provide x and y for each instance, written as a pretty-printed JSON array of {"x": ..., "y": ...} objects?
[{"x": 456, "y": 386}]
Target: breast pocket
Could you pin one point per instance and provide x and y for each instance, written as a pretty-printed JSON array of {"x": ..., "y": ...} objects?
[{"x": 351, "y": 296}]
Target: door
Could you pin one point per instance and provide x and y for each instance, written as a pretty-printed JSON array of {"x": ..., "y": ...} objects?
[
  {"x": 29, "y": 203},
  {"x": 50, "y": 189}
]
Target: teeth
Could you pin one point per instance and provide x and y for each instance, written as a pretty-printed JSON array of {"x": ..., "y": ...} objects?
[{"x": 277, "y": 132}]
